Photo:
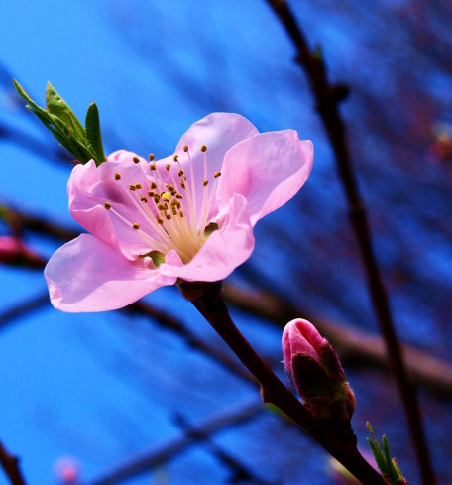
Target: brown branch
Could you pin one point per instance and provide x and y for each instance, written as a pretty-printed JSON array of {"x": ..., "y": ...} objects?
[
  {"x": 239, "y": 470},
  {"x": 22, "y": 309},
  {"x": 211, "y": 305},
  {"x": 354, "y": 347},
  {"x": 10, "y": 465},
  {"x": 327, "y": 99},
  {"x": 164, "y": 452}
]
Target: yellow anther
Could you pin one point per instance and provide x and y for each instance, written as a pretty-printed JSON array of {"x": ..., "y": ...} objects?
[
  {"x": 181, "y": 214},
  {"x": 107, "y": 205},
  {"x": 151, "y": 194},
  {"x": 144, "y": 199},
  {"x": 160, "y": 220},
  {"x": 178, "y": 196},
  {"x": 153, "y": 166},
  {"x": 217, "y": 174},
  {"x": 138, "y": 186},
  {"x": 168, "y": 167},
  {"x": 161, "y": 207},
  {"x": 136, "y": 160},
  {"x": 157, "y": 198},
  {"x": 182, "y": 184},
  {"x": 153, "y": 185},
  {"x": 180, "y": 173},
  {"x": 166, "y": 196},
  {"x": 151, "y": 157},
  {"x": 174, "y": 211},
  {"x": 178, "y": 205},
  {"x": 185, "y": 148},
  {"x": 173, "y": 202},
  {"x": 205, "y": 182},
  {"x": 169, "y": 187},
  {"x": 203, "y": 148},
  {"x": 117, "y": 176},
  {"x": 173, "y": 192},
  {"x": 175, "y": 158},
  {"x": 132, "y": 187},
  {"x": 136, "y": 226},
  {"x": 168, "y": 216}
]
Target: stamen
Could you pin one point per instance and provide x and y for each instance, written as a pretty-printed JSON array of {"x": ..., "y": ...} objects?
[
  {"x": 117, "y": 176},
  {"x": 205, "y": 182},
  {"x": 144, "y": 199},
  {"x": 169, "y": 187},
  {"x": 180, "y": 173},
  {"x": 151, "y": 194},
  {"x": 168, "y": 167},
  {"x": 185, "y": 148},
  {"x": 153, "y": 166},
  {"x": 217, "y": 174},
  {"x": 132, "y": 187},
  {"x": 138, "y": 186},
  {"x": 175, "y": 158},
  {"x": 136, "y": 160},
  {"x": 107, "y": 205},
  {"x": 203, "y": 148},
  {"x": 153, "y": 185},
  {"x": 166, "y": 196},
  {"x": 160, "y": 220},
  {"x": 136, "y": 226},
  {"x": 151, "y": 157}
]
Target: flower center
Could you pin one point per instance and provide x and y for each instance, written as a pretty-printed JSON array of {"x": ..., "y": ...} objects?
[{"x": 173, "y": 220}]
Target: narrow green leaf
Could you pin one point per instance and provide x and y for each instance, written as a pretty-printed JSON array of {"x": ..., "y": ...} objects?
[
  {"x": 58, "y": 107},
  {"x": 391, "y": 469},
  {"x": 92, "y": 129}
]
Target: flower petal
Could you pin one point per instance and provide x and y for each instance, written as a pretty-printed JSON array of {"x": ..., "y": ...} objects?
[
  {"x": 89, "y": 187},
  {"x": 268, "y": 169},
  {"x": 225, "y": 249},
  {"x": 219, "y": 132},
  {"x": 89, "y": 275}
]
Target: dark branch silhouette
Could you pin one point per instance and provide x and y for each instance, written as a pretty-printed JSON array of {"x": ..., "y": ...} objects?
[
  {"x": 164, "y": 452},
  {"x": 327, "y": 97},
  {"x": 10, "y": 465}
]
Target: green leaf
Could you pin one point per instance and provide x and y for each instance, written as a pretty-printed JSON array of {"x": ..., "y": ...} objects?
[
  {"x": 92, "y": 129},
  {"x": 213, "y": 226},
  {"x": 57, "y": 106}
]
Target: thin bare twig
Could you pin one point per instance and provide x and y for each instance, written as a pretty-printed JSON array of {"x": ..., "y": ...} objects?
[
  {"x": 10, "y": 465},
  {"x": 164, "y": 452},
  {"x": 239, "y": 470},
  {"x": 328, "y": 97},
  {"x": 354, "y": 347}
]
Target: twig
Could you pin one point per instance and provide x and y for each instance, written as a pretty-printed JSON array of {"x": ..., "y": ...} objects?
[
  {"x": 22, "y": 309},
  {"x": 10, "y": 465},
  {"x": 178, "y": 327},
  {"x": 355, "y": 348},
  {"x": 327, "y": 98},
  {"x": 211, "y": 305},
  {"x": 240, "y": 471},
  {"x": 164, "y": 452}
]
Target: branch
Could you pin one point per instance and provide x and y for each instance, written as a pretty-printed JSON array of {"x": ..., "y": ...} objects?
[
  {"x": 10, "y": 465},
  {"x": 327, "y": 99},
  {"x": 164, "y": 452},
  {"x": 354, "y": 347},
  {"x": 240, "y": 471},
  {"x": 211, "y": 305},
  {"x": 21, "y": 309}
]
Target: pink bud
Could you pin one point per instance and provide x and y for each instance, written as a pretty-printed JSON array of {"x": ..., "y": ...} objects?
[
  {"x": 317, "y": 374},
  {"x": 13, "y": 252},
  {"x": 67, "y": 470},
  {"x": 301, "y": 337}
]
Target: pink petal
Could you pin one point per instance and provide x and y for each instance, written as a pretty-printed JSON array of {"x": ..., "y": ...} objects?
[
  {"x": 300, "y": 336},
  {"x": 268, "y": 169},
  {"x": 90, "y": 187},
  {"x": 225, "y": 249},
  {"x": 89, "y": 275},
  {"x": 219, "y": 132}
]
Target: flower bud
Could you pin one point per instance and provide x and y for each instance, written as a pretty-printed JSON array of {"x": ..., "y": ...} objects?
[
  {"x": 317, "y": 374},
  {"x": 14, "y": 253}
]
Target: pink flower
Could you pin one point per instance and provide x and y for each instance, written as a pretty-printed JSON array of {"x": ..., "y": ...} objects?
[{"x": 188, "y": 216}]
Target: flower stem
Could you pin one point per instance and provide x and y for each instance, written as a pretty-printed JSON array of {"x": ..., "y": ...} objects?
[{"x": 210, "y": 304}]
